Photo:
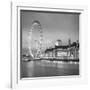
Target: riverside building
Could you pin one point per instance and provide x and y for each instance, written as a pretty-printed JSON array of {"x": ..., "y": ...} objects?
[{"x": 70, "y": 51}]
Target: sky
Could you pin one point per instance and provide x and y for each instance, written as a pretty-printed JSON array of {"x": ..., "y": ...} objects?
[{"x": 55, "y": 26}]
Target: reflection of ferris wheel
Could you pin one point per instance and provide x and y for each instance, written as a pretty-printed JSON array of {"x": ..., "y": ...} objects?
[{"x": 36, "y": 26}]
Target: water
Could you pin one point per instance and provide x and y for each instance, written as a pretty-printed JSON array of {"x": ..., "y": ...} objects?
[{"x": 49, "y": 68}]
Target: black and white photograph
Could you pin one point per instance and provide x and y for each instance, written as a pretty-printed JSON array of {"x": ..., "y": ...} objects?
[
  {"x": 49, "y": 44},
  {"x": 45, "y": 44}
]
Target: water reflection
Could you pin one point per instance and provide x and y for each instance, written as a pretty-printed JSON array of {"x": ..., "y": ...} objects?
[{"x": 49, "y": 68}]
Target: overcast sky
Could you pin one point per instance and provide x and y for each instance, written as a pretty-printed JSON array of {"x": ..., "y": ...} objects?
[{"x": 55, "y": 26}]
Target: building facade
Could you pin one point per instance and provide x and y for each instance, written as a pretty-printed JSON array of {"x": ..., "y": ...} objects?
[{"x": 70, "y": 51}]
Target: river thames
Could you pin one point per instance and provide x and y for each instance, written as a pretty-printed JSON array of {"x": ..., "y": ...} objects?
[{"x": 46, "y": 68}]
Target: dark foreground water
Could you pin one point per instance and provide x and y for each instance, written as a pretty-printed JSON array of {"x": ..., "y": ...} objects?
[{"x": 49, "y": 68}]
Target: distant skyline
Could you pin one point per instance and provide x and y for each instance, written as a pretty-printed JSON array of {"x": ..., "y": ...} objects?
[{"x": 55, "y": 26}]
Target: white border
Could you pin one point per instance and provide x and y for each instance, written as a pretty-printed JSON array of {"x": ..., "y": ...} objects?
[{"x": 15, "y": 62}]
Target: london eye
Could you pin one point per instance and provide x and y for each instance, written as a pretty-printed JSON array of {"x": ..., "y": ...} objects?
[{"x": 37, "y": 51}]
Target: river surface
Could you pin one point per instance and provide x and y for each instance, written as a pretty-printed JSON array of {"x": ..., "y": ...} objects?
[{"x": 49, "y": 68}]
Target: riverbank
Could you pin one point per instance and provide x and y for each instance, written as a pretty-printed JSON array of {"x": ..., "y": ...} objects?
[{"x": 53, "y": 59}]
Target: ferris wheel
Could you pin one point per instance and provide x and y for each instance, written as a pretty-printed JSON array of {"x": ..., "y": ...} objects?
[{"x": 36, "y": 26}]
